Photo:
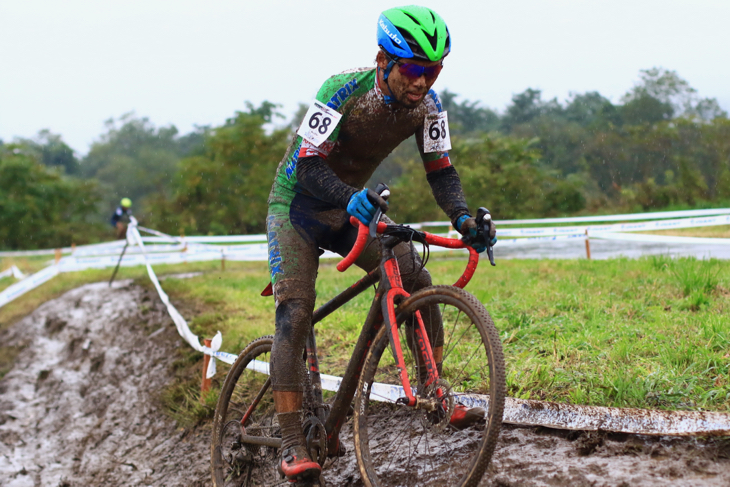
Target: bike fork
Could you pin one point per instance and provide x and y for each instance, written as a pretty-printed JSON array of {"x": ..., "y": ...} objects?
[{"x": 423, "y": 345}]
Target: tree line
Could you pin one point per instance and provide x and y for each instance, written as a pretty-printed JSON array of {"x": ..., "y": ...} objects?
[{"x": 661, "y": 146}]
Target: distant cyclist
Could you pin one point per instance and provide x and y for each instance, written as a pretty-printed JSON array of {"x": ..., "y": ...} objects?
[
  {"x": 359, "y": 117},
  {"x": 120, "y": 217}
]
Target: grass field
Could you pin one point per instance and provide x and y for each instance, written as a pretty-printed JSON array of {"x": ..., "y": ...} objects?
[
  {"x": 650, "y": 333},
  {"x": 719, "y": 231}
]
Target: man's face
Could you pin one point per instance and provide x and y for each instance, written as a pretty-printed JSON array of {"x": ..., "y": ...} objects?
[{"x": 408, "y": 91}]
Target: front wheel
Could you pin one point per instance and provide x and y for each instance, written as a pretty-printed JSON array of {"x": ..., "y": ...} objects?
[{"x": 400, "y": 445}]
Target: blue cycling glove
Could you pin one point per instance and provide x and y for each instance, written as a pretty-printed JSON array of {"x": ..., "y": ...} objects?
[
  {"x": 363, "y": 204},
  {"x": 469, "y": 224}
]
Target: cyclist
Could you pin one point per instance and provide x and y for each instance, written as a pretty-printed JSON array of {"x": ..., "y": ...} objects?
[
  {"x": 120, "y": 217},
  {"x": 319, "y": 184}
]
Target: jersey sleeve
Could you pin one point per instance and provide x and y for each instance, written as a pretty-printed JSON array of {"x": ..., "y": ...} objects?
[
  {"x": 440, "y": 173},
  {"x": 334, "y": 93},
  {"x": 432, "y": 161}
]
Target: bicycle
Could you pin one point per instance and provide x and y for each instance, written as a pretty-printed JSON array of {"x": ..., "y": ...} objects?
[{"x": 393, "y": 421}]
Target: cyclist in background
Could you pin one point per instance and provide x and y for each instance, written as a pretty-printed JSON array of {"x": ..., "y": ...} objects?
[
  {"x": 120, "y": 217},
  {"x": 358, "y": 118}
]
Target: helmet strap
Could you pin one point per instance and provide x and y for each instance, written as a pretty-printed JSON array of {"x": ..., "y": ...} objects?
[{"x": 388, "y": 99}]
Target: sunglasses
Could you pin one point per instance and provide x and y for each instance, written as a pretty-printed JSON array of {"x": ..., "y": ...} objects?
[{"x": 415, "y": 71}]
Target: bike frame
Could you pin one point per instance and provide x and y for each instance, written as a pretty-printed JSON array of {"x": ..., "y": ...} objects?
[
  {"x": 390, "y": 292},
  {"x": 388, "y": 295}
]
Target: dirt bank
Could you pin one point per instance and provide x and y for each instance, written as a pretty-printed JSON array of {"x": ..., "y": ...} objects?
[{"x": 79, "y": 409}]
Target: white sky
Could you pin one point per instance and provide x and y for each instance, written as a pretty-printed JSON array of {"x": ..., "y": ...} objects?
[{"x": 69, "y": 65}]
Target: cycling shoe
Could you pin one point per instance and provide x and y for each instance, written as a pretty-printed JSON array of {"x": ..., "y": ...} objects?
[
  {"x": 296, "y": 465},
  {"x": 463, "y": 417}
]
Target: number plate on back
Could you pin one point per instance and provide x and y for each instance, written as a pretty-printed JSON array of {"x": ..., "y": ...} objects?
[
  {"x": 436, "y": 136},
  {"x": 319, "y": 123}
]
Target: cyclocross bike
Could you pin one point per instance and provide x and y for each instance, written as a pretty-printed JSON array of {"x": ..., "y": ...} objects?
[{"x": 401, "y": 421}]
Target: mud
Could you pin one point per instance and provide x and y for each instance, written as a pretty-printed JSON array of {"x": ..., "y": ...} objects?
[{"x": 80, "y": 408}]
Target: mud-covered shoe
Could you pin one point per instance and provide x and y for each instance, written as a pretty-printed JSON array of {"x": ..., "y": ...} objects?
[
  {"x": 296, "y": 465},
  {"x": 463, "y": 417}
]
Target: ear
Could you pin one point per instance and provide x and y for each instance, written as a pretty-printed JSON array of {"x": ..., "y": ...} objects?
[{"x": 381, "y": 60}]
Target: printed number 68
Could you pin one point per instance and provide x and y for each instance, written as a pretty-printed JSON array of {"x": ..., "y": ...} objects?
[
  {"x": 435, "y": 133},
  {"x": 314, "y": 123}
]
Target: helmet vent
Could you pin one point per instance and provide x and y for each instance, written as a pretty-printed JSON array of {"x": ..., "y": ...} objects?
[{"x": 432, "y": 39}]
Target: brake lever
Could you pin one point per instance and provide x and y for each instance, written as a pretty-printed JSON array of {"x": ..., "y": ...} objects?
[
  {"x": 483, "y": 220},
  {"x": 374, "y": 223},
  {"x": 384, "y": 192}
]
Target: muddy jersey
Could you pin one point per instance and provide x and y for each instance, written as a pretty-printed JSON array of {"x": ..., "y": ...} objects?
[{"x": 368, "y": 131}]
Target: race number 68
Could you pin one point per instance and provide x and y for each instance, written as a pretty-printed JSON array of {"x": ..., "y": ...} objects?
[
  {"x": 436, "y": 136},
  {"x": 320, "y": 122},
  {"x": 437, "y": 130}
]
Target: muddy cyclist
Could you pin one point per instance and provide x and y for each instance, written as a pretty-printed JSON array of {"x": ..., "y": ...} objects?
[{"x": 357, "y": 119}]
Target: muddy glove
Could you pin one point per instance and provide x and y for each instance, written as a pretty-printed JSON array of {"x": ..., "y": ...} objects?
[
  {"x": 362, "y": 205},
  {"x": 467, "y": 226}
]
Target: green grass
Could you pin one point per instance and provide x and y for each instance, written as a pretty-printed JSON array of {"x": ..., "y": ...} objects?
[
  {"x": 718, "y": 231},
  {"x": 649, "y": 333}
]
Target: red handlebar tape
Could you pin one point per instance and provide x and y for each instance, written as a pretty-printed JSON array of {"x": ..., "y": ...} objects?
[{"x": 449, "y": 243}]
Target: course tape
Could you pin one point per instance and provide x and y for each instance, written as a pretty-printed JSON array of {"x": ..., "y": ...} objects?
[
  {"x": 594, "y": 230},
  {"x": 32, "y": 282},
  {"x": 687, "y": 218},
  {"x": 180, "y": 323},
  {"x": 659, "y": 215},
  {"x": 182, "y": 253},
  {"x": 567, "y": 416},
  {"x": 12, "y": 271},
  {"x": 662, "y": 239}
]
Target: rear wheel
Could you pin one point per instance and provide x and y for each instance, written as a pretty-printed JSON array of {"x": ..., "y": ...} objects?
[
  {"x": 233, "y": 462},
  {"x": 400, "y": 445}
]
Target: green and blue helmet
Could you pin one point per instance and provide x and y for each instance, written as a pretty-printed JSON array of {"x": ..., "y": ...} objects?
[{"x": 413, "y": 32}]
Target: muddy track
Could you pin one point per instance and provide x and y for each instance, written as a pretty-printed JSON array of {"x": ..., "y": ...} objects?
[{"x": 80, "y": 408}]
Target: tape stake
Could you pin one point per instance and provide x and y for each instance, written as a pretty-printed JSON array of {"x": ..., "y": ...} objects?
[
  {"x": 205, "y": 384},
  {"x": 588, "y": 246}
]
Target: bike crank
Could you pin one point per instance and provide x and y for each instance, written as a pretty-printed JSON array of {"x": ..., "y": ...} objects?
[{"x": 316, "y": 435}]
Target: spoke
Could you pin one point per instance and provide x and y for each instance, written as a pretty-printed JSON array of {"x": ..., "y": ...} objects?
[
  {"x": 415, "y": 448},
  {"x": 458, "y": 377},
  {"x": 451, "y": 335},
  {"x": 466, "y": 330}
]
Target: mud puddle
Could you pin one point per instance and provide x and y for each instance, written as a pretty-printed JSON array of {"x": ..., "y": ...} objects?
[
  {"x": 542, "y": 457},
  {"x": 80, "y": 408}
]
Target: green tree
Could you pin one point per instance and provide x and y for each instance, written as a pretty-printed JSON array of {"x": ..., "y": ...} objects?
[
  {"x": 501, "y": 173},
  {"x": 225, "y": 191},
  {"x": 39, "y": 207},
  {"x": 670, "y": 90},
  {"x": 135, "y": 159},
  {"x": 52, "y": 151},
  {"x": 468, "y": 117}
]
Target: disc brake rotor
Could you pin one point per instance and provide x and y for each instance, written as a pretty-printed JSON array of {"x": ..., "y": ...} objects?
[{"x": 438, "y": 419}]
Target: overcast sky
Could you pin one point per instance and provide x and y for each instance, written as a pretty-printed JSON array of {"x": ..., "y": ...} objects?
[{"x": 70, "y": 65}]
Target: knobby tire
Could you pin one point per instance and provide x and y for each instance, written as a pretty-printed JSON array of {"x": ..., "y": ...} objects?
[{"x": 398, "y": 445}]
